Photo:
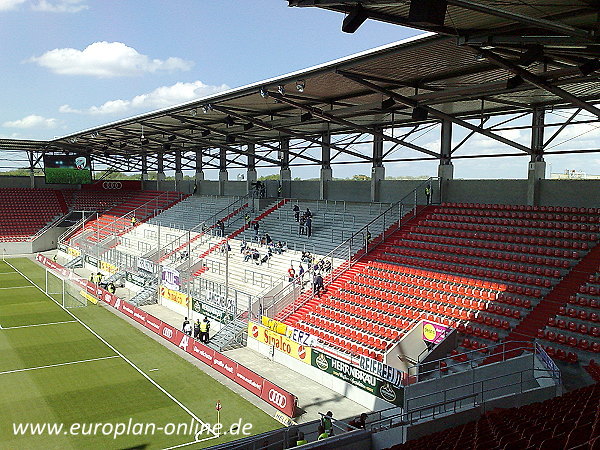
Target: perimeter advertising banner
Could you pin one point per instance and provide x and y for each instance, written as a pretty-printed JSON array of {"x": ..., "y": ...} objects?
[
  {"x": 280, "y": 342},
  {"x": 174, "y": 296},
  {"x": 357, "y": 377},
  {"x": 170, "y": 278},
  {"x": 300, "y": 336}
]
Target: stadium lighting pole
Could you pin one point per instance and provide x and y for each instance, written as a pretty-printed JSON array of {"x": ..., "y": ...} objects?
[{"x": 189, "y": 271}]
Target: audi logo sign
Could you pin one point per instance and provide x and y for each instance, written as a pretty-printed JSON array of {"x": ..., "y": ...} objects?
[
  {"x": 112, "y": 185},
  {"x": 277, "y": 398},
  {"x": 167, "y": 332}
]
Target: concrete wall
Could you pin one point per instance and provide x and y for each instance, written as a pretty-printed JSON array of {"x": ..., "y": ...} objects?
[
  {"x": 510, "y": 192},
  {"x": 355, "y": 191},
  {"x": 46, "y": 241},
  {"x": 393, "y": 190},
  {"x": 25, "y": 182},
  {"x": 305, "y": 190},
  {"x": 582, "y": 193}
]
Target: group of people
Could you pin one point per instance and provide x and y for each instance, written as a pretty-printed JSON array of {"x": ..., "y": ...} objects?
[
  {"x": 325, "y": 428},
  {"x": 201, "y": 330},
  {"x": 252, "y": 254},
  {"x": 304, "y": 220},
  {"x": 97, "y": 278}
]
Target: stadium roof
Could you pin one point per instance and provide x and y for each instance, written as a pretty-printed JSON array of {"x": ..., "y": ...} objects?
[{"x": 419, "y": 80}]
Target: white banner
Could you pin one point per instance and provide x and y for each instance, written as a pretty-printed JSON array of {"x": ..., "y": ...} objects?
[
  {"x": 145, "y": 264},
  {"x": 170, "y": 278}
]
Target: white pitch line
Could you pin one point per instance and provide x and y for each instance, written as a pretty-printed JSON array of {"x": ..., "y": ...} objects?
[
  {"x": 58, "y": 365},
  {"x": 140, "y": 371},
  {"x": 17, "y": 287},
  {"x": 38, "y": 325},
  {"x": 4, "y": 273}
]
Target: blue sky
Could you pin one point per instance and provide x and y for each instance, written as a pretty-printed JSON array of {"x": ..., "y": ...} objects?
[{"x": 68, "y": 65}]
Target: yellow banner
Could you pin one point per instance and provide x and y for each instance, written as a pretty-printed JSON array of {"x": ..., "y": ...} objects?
[
  {"x": 274, "y": 325},
  {"x": 90, "y": 298},
  {"x": 280, "y": 342},
  {"x": 174, "y": 296},
  {"x": 73, "y": 251},
  {"x": 108, "y": 267}
]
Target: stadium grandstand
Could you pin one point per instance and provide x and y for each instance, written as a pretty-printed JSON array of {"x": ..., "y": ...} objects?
[{"x": 454, "y": 313}]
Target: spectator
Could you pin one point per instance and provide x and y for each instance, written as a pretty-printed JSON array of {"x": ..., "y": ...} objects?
[
  {"x": 265, "y": 258},
  {"x": 308, "y": 225},
  {"x": 185, "y": 322},
  {"x": 133, "y": 221},
  {"x": 326, "y": 265},
  {"x": 322, "y": 434},
  {"x": 302, "y": 224},
  {"x": 207, "y": 322},
  {"x": 243, "y": 246},
  {"x": 308, "y": 213},
  {"x": 301, "y": 439},
  {"x": 221, "y": 227},
  {"x": 247, "y": 220},
  {"x": 256, "y": 256},
  {"x": 359, "y": 422},
  {"x": 327, "y": 424},
  {"x": 318, "y": 284},
  {"x": 428, "y": 193},
  {"x": 187, "y": 329},
  {"x": 256, "y": 227},
  {"x": 197, "y": 329},
  {"x": 300, "y": 271},
  {"x": 268, "y": 239},
  {"x": 296, "y": 210},
  {"x": 291, "y": 273}
]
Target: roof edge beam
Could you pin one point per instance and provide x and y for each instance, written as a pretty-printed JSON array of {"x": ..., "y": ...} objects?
[{"x": 434, "y": 112}]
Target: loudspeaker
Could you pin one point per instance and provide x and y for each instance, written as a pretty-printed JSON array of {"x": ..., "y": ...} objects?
[
  {"x": 419, "y": 114},
  {"x": 428, "y": 12}
]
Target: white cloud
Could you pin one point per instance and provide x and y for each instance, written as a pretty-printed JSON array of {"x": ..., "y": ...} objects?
[
  {"x": 60, "y": 6},
  {"x": 106, "y": 60},
  {"x": 161, "y": 97},
  {"x": 32, "y": 121},
  {"x": 7, "y": 5}
]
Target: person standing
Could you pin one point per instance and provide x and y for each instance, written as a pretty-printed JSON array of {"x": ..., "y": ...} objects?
[
  {"x": 318, "y": 284},
  {"x": 197, "y": 329},
  {"x": 203, "y": 331},
  {"x": 322, "y": 434},
  {"x": 185, "y": 322},
  {"x": 308, "y": 225},
  {"x": 296, "y": 210},
  {"x": 327, "y": 424},
  {"x": 256, "y": 227},
  {"x": 207, "y": 335},
  {"x": 302, "y": 224},
  {"x": 133, "y": 221},
  {"x": 187, "y": 329},
  {"x": 291, "y": 273},
  {"x": 428, "y": 193}
]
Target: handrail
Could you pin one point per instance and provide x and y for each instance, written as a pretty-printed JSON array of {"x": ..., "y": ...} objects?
[
  {"x": 128, "y": 214},
  {"x": 172, "y": 245},
  {"x": 361, "y": 234}
]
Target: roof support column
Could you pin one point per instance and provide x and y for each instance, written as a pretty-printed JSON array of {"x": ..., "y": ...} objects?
[
  {"x": 377, "y": 171},
  {"x": 144, "y": 166},
  {"x": 160, "y": 175},
  {"x": 251, "y": 176},
  {"x": 199, "y": 171},
  {"x": 445, "y": 168},
  {"x": 537, "y": 166},
  {"x": 326, "y": 172},
  {"x": 285, "y": 174},
  {"x": 223, "y": 176},
  {"x": 178, "y": 172},
  {"x": 31, "y": 174}
]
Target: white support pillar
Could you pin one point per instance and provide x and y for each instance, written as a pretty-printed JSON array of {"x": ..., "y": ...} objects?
[{"x": 536, "y": 170}]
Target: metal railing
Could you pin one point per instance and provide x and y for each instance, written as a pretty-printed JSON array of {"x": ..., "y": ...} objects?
[
  {"x": 359, "y": 244},
  {"x": 238, "y": 206}
]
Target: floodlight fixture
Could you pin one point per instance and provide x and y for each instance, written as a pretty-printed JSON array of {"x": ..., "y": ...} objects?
[
  {"x": 306, "y": 117},
  {"x": 388, "y": 103},
  {"x": 281, "y": 89},
  {"x": 300, "y": 85},
  {"x": 263, "y": 92}
]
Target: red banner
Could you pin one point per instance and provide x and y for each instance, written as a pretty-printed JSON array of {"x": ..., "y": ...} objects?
[
  {"x": 140, "y": 315},
  {"x": 113, "y": 185},
  {"x": 249, "y": 380},
  {"x": 224, "y": 365},
  {"x": 152, "y": 323},
  {"x": 126, "y": 308},
  {"x": 201, "y": 352},
  {"x": 279, "y": 398}
]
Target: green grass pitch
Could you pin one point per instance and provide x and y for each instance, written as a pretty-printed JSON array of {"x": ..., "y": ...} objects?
[{"x": 55, "y": 370}]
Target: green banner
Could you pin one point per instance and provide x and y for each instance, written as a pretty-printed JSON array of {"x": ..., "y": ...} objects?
[
  {"x": 211, "y": 311},
  {"x": 357, "y": 377}
]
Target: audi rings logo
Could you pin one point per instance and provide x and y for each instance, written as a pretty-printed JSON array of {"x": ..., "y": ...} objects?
[
  {"x": 167, "y": 332},
  {"x": 277, "y": 398},
  {"x": 112, "y": 185}
]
